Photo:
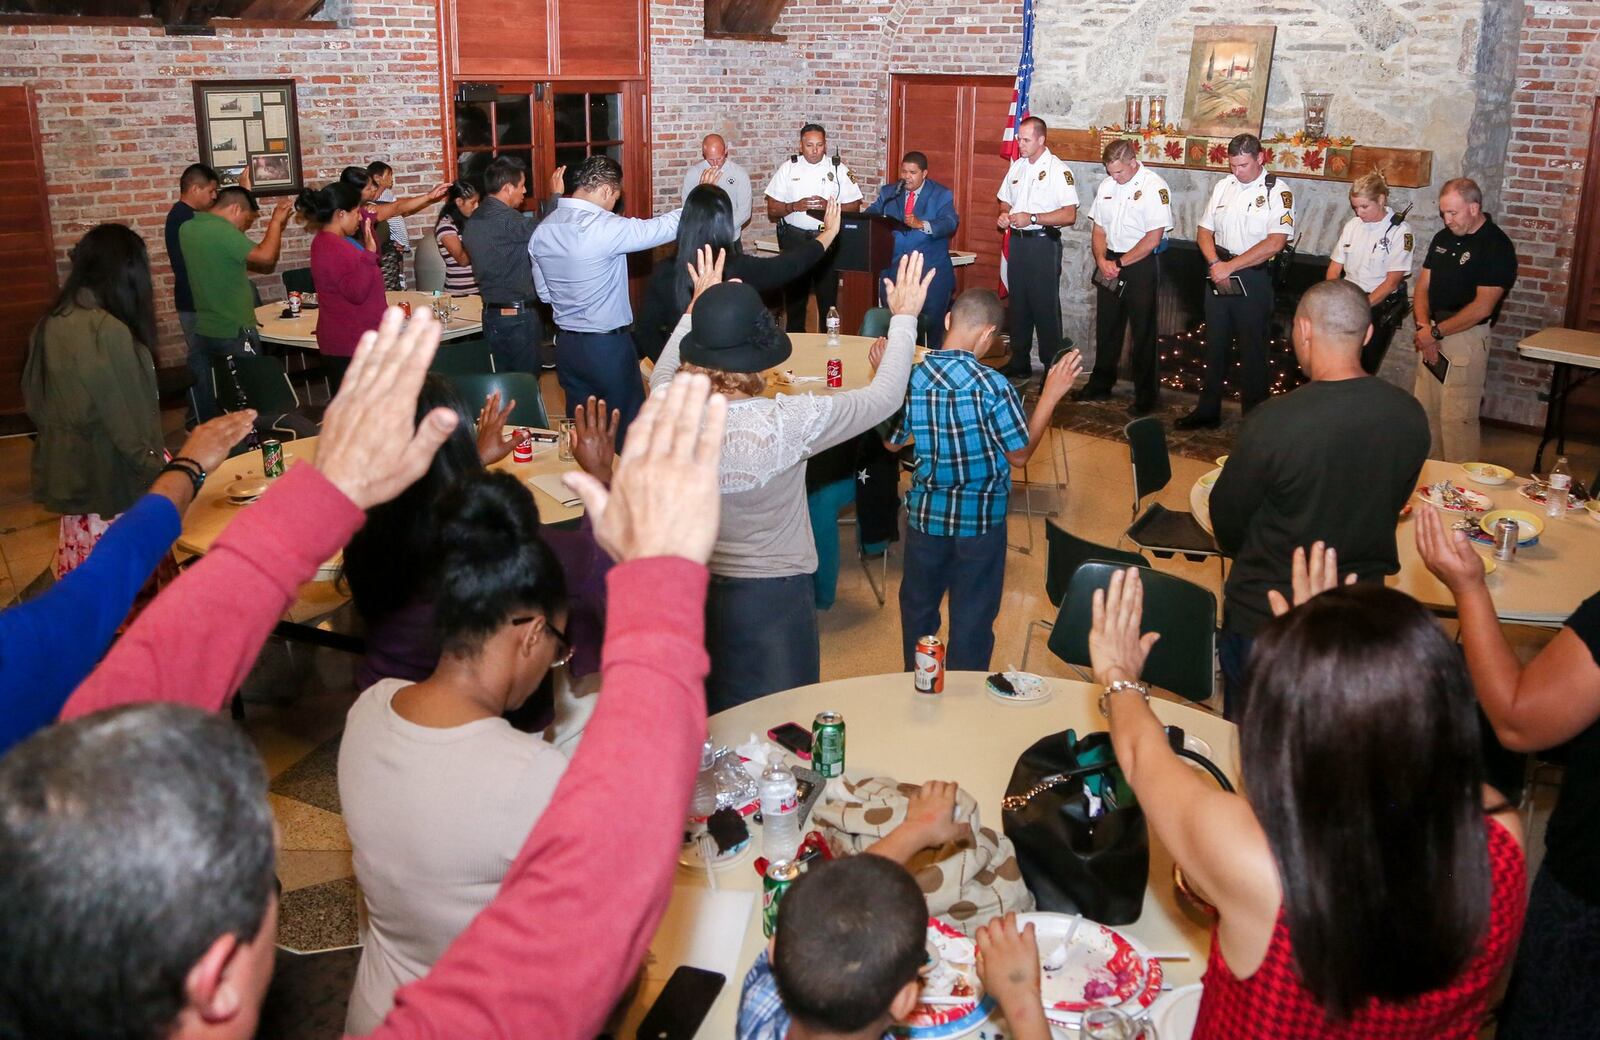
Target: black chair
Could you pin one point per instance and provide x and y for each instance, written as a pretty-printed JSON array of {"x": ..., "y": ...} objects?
[
  {"x": 463, "y": 357},
  {"x": 1162, "y": 531},
  {"x": 298, "y": 279},
  {"x": 1064, "y": 554},
  {"x": 1182, "y": 661},
  {"x": 522, "y": 387},
  {"x": 264, "y": 386}
]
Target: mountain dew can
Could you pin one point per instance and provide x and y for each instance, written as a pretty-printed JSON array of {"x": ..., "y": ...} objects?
[
  {"x": 779, "y": 876},
  {"x": 827, "y": 744}
]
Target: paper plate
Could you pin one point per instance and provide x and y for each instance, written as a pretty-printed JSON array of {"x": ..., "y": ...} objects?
[
  {"x": 953, "y": 954},
  {"x": 1209, "y": 480},
  {"x": 1176, "y": 1013},
  {"x": 1530, "y": 525},
  {"x": 1030, "y": 689},
  {"x": 1487, "y": 473},
  {"x": 246, "y": 489},
  {"x": 1536, "y": 493},
  {"x": 1102, "y": 968},
  {"x": 1476, "y": 500},
  {"x": 1222, "y": 460},
  {"x": 689, "y": 857},
  {"x": 1593, "y": 508}
]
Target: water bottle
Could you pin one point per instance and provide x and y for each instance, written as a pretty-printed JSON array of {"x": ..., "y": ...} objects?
[
  {"x": 1555, "y": 499},
  {"x": 704, "y": 801},
  {"x": 833, "y": 323},
  {"x": 780, "y": 814}
]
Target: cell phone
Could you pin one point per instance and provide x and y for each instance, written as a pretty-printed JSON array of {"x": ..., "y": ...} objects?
[
  {"x": 793, "y": 737},
  {"x": 682, "y": 1005}
]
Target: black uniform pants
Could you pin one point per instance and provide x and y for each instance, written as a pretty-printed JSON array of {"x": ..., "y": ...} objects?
[
  {"x": 822, "y": 279},
  {"x": 1033, "y": 275},
  {"x": 1247, "y": 319},
  {"x": 1114, "y": 314}
]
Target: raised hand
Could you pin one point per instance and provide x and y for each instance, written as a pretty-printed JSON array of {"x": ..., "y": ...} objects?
[
  {"x": 494, "y": 440},
  {"x": 664, "y": 498},
  {"x": 1063, "y": 373},
  {"x": 909, "y": 290},
  {"x": 372, "y": 448},
  {"x": 594, "y": 438},
  {"x": 710, "y": 174},
  {"x": 1309, "y": 577},
  {"x": 876, "y": 351},
  {"x": 558, "y": 181},
  {"x": 209, "y": 443},
  {"x": 1116, "y": 649},
  {"x": 438, "y": 191},
  {"x": 1447, "y": 554},
  {"x": 704, "y": 272}
]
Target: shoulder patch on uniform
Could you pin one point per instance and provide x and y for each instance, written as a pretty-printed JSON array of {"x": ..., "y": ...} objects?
[
  {"x": 1166, "y": 199},
  {"x": 1287, "y": 218},
  {"x": 1288, "y": 199},
  {"x": 1069, "y": 175},
  {"x": 1409, "y": 242}
]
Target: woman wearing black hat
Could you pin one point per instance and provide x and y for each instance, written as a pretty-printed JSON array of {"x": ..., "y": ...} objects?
[{"x": 761, "y": 619}]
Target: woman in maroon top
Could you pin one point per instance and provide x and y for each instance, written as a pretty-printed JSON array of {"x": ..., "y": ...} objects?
[
  {"x": 350, "y": 297},
  {"x": 1368, "y": 884}
]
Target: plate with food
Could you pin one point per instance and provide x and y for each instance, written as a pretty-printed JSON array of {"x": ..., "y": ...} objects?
[
  {"x": 953, "y": 1003},
  {"x": 1538, "y": 491},
  {"x": 246, "y": 489},
  {"x": 1208, "y": 480},
  {"x": 1530, "y": 525},
  {"x": 1454, "y": 498},
  {"x": 1014, "y": 687},
  {"x": 1222, "y": 460},
  {"x": 1084, "y": 965},
  {"x": 1487, "y": 473},
  {"x": 1593, "y": 506},
  {"x": 1176, "y": 1014}
]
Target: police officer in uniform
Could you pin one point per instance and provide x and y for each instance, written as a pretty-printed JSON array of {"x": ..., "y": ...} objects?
[
  {"x": 1132, "y": 212},
  {"x": 1249, "y": 220},
  {"x": 809, "y": 180},
  {"x": 1037, "y": 199},
  {"x": 1374, "y": 252}
]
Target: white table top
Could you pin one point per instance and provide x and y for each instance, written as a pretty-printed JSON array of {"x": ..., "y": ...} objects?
[
  {"x": 1542, "y": 586},
  {"x": 957, "y": 257},
  {"x": 1566, "y": 346},
  {"x": 301, "y": 332},
  {"x": 965, "y": 735},
  {"x": 211, "y": 512}
]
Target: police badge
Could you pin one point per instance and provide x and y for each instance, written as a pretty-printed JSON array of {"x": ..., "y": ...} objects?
[
  {"x": 1137, "y": 195},
  {"x": 1041, "y": 174},
  {"x": 1261, "y": 200},
  {"x": 830, "y": 175},
  {"x": 1464, "y": 258}
]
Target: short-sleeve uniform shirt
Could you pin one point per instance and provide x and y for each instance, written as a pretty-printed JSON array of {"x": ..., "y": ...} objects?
[
  {"x": 1459, "y": 264},
  {"x": 1038, "y": 186},
  {"x": 1370, "y": 251},
  {"x": 1241, "y": 215},
  {"x": 796, "y": 179},
  {"x": 1128, "y": 212}
]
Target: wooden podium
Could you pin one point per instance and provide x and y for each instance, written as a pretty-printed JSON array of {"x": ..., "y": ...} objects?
[{"x": 863, "y": 249}]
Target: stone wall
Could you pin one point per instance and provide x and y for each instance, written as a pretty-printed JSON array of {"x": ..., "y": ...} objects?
[{"x": 116, "y": 116}]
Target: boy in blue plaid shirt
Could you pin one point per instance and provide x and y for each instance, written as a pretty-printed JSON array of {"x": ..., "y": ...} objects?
[{"x": 966, "y": 427}]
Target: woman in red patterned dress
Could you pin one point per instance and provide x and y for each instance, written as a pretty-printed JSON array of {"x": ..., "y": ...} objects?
[{"x": 1367, "y": 884}]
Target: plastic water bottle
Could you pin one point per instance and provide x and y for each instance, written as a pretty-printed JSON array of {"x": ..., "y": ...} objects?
[
  {"x": 704, "y": 801},
  {"x": 780, "y": 814},
  {"x": 833, "y": 324},
  {"x": 1555, "y": 499}
]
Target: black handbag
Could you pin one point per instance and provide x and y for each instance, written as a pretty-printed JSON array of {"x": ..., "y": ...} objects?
[{"x": 1074, "y": 862}]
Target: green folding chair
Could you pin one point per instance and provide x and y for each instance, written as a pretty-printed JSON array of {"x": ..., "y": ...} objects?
[
  {"x": 1064, "y": 554},
  {"x": 1159, "y": 530},
  {"x": 1183, "y": 661},
  {"x": 875, "y": 322},
  {"x": 263, "y": 385},
  {"x": 522, "y": 387},
  {"x": 463, "y": 357}
]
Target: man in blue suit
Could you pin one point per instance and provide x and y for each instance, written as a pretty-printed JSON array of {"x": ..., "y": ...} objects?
[{"x": 928, "y": 211}]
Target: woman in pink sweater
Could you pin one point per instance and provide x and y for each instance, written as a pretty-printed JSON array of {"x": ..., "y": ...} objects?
[{"x": 345, "y": 270}]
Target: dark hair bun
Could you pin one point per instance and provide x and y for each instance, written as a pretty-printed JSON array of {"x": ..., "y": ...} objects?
[
  {"x": 489, "y": 515},
  {"x": 320, "y": 206}
]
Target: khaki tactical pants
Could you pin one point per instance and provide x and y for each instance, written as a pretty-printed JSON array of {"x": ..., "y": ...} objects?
[{"x": 1452, "y": 406}]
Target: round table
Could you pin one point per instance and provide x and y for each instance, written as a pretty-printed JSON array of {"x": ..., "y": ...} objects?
[
  {"x": 1542, "y": 586},
  {"x": 301, "y": 332},
  {"x": 211, "y": 512},
  {"x": 810, "y": 358},
  {"x": 963, "y": 734}
]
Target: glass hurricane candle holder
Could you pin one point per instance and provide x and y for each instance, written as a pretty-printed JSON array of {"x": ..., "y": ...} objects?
[
  {"x": 1156, "y": 111},
  {"x": 1316, "y": 102},
  {"x": 1133, "y": 116}
]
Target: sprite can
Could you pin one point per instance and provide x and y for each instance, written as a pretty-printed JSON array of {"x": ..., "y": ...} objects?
[
  {"x": 271, "y": 459},
  {"x": 780, "y": 875},
  {"x": 827, "y": 744}
]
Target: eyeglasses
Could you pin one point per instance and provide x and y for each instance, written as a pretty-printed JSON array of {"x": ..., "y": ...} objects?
[{"x": 567, "y": 648}]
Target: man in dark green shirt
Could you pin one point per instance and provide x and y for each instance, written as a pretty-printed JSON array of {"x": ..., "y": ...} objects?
[
  {"x": 1334, "y": 461},
  {"x": 219, "y": 258}
]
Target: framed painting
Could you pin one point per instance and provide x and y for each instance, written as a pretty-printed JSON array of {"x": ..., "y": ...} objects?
[
  {"x": 250, "y": 125},
  {"x": 1229, "y": 66}
]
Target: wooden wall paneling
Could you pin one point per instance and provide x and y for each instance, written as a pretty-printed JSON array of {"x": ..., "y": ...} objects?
[
  {"x": 991, "y": 101},
  {"x": 494, "y": 40},
  {"x": 27, "y": 247},
  {"x": 600, "y": 37}
]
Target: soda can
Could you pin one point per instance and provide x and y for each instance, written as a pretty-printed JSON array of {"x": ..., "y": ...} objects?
[
  {"x": 294, "y": 304},
  {"x": 835, "y": 373},
  {"x": 928, "y": 674},
  {"x": 405, "y": 307},
  {"x": 827, "y": 744},
  {"x": 522, "y": 449},
  {"x": 271, "y": 459},
  {"x": 1506, "y": 533},
  {"x": 779, "y": 876}
]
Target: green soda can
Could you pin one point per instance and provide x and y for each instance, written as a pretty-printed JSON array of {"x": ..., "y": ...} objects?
[
  {"x": 780, "y": 875},
  {"x": 827, "y": 744},
  {"x": 271, "y": 459}
]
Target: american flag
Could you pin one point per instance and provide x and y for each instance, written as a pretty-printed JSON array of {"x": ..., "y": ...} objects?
[{"x": 1018, "y": 112}]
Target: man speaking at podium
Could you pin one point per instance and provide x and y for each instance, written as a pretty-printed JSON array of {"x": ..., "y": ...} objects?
[{"x": 928, "y": 211}]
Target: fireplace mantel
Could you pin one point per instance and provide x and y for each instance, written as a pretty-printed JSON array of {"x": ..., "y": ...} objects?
[{"x": 1402, "y": 167}]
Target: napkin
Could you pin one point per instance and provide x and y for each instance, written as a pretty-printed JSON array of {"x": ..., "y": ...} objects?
[
  {"x": 550, "y": 484},
  {"x": 788, "y": 377}
]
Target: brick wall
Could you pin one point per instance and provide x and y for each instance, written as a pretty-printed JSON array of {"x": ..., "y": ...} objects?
[
  {"x": 116, "y": 114},
  {"x": 1558, "y": 77}
]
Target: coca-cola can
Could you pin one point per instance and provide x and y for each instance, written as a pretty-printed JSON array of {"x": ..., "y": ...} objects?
[
  {"x": 835, "y": 373},
  {"x": 928, "y": 665},
  {"x": 294, "y": 305},
  {"x": 405, "y": 308},
  {"x": 522, "y": 447}
]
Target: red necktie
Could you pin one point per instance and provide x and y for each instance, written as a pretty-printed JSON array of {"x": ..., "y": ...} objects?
[{"x": 911, "y": 204}]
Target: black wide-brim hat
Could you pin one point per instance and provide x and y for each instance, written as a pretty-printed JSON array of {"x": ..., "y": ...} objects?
[{"x": 732, "y": 330}]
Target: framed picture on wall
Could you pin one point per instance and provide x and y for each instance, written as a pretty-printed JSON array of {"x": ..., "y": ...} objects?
[
  {"x": 1229, "y": 67},
  {"x": 250, "y": 125}
]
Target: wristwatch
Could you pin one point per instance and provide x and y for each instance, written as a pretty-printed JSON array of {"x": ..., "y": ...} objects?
[
  {"x": 1118, "y": 686},
  {"x": 1433, "y": 330}
]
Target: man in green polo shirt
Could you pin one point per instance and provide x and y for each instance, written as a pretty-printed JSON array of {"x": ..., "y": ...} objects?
[{"x": 219, "y": 258}]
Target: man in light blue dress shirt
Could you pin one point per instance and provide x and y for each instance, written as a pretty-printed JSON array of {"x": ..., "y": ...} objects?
[{"x": 580, "y": 267}]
